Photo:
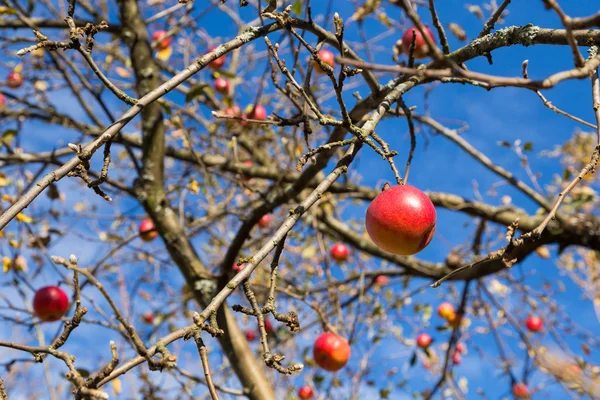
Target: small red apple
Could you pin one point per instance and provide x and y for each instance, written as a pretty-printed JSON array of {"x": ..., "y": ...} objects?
[
  {"x": 233, "y": 111},
  {"x": 218, "y": 63},
  {"x": 264, "y": 221},
  {"x": 456, "y": 358},
  {"x": 162, "y": 44},
  {"x": 305, "y": 393},
  {"x": 520, "y": 390},
  {"x": 14, "y": 80},
  {"x": 460, "y": 347},
  {"x": 534, "y": 323},
  {"x": 222, "y": 85},
  {"x": 50, "y": 303},
  {"x": 445, "y": 310},
  {"x": 250, "y": 335},
  {"x": 2, "y": 101},
  {"x": 147, "y": 230},
  {"x": 328, "y": 58},
  {"x": 237, "y": 268},
  {"x": 148, "y": 318},
  {"x": 269, "y": 326},
  {"x": 340, "y": 252},
  {"x": 382, "y": 280},
  {"x": 421, "y": 47},
  {"x": 257, "y": 112},
  {"x": 423, "y": 340},
  {"x": 401, "y": 220},
  {"x": 331, "y": 352}
]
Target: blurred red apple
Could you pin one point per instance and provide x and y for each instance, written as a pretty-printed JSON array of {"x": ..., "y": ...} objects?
[
  {"x": 218, "y": 63},
  {"x": 305, "y": 393},
  {"x": 331, "y": 352},
  {"x": 14, "y": 80},
  {"x": 264, "y": 221},
  {"x": 269, "y": 326},
  {"x": 328, "y": 58},
  {"x": 257, "y": 112},
  {"x": 340, "y": 252},
  {"x": 148, "y": 318},
  {"x": 50, "y": 303},
  {"x": 233, "y": 111},
  {"x": 534, "y": 323},
  {"x": 2, "y": 101},
  {"x": 161, "y": 44},
  {"x": 423, "y": 340},
  {"x": 222, "y": 85},
  {"x": 456, "y": 358},
  {"x": 460, "y": 347},
  {"x": 147, "y": 230},
  {"x": 401, "y": 220},
  {"x": 250, "y": 335},
  {"x": 520, "y": 390},
  {"x": 382, "y": 280},
  {"x": 421, "y": 47},
  {"x": 237, "y": 268}
]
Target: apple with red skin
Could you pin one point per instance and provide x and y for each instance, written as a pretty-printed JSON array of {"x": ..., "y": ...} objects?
[
  {"x": 269, "y": 326},
  {"x": 264, "y": 221},
  {"x": 446, "y": 310},
  {"x": 382, "y": 280},
  {"x": 147, "y": 230},
  {"x": 421, "y": 47},
  {"x": 2, "y": 101},
  {"x": 423, "y": 340},
  {"x": 305, "y": 393},
  {"x": 456, "y": 358},
  {"x": 148, "y": 318},
  {"x": 520, "y": 390},
  {"x": 14, "y": 80},
  {"x": 222, "y": 85},
  {"x": 340, "y": 252},
  {"x": 162, "y": 44},
  {"x": 257, "y": 112},
  {"x": 237, "y": 268},
  {"x": 331, "y": 352},
  {"x": 250, "y": 335},
  {"x": 233, "y": 111},
  {"x": 401, "y": 220},
  {"x": 460, "y": 347},
  {"x": 534, "y": 323},
  {"x": 328, "y": 58},
  {"x": 50, "y": 303},
  {"x": 217, "y": 63}
]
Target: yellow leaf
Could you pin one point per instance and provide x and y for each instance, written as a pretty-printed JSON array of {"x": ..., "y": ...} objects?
[
  {"x": 24, "y": 218},
  {"x": 3, "y": 180},
  {"x": 122, "y": 72},
  {"x": 79, "y": 207},
  {"x": 7, "y": 10},
  {"x": 193, "y": 186},
  {"x": 14, "y": 244},
  {"x": 6, "y": 264},
  {"x": 543, "y": 252},
  {"x": 116, "y": 385},
  {"x": 164, "y": 54},
  {"x": 18, "y": 69},
  {"x": 40, "y": 86}
]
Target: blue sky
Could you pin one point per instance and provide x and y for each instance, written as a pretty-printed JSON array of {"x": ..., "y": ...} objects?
[{"x": 503, "y": 114}]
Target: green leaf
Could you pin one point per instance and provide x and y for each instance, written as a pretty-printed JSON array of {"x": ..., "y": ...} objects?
[
  {"x": 297, "y": 7},
  {"x": 384, "y": 393},
  {"x": 165, "y": 107},
  {"x": 528, "y": 146},
  {"x": 8, "y": 136},
  {"x": 195, "y": 91}
]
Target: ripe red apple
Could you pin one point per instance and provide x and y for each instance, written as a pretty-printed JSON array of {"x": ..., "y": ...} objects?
[
  {"x": 401, "y": 220},
  {"x": 250, "y": 335},
  {"x": 257, "y": 112},
  {"x": 264, "y": 221},
  {"x": 460, "y": 347},
  {"x": 456, "y": 358},
  {"x": 233, "y": 111},
  {"x": 328, "y": 58},
  {"x": 222, "y": 85},
  {"x": 421, "y": 47},
  {"x": 382, "y": 280},
  {"x": 534, "y": 323},
  {"x": 237, "y": 268},
  {"x": 331, "y": 352},
  {"x": 269, "y": 326},
  {"x": 520, "y": 390},
  {"x": 423, "y": 340},
  {"x": 305, "y": 393},
  {"x": 340, "y": 252},
  {"x": 164, "y": 43},
  {"x": 14, "y": 80},
  {"x": 147, "y": 230},
  {"x": 445, "y": 310},
  {"x": 218, "y": 63},
  {"x": 148, "y": 318},
  {"x": 2, "y": 101},
  {"x": 50, "y": 303}
]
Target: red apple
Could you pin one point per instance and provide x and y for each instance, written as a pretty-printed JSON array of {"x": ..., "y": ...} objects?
[
  {"x": 305, "y": 393},
  {"x": 328, "y": 58},
  {"x": 237, "y": 268},
  {"x": 269, "y": 326},
  {"x": 534, "y": 323},
  {"x": 460, "y": 347},
  {"x": 423, "y": 340},
  {"x": 421, "y": 47},
  {"x": 218, "y": 63},
  {"x": 222, "y": 85},
  {"x": 445, "y": 310},
  {"x": 14, "y": 80},
  {"x": 233, "y": 111},
  {"x": 250, "y": 335},
  {"x": 2, "y": 101},
  {"x": 50, "y": 303},
  {"x": 401, "y": 220},
  {"x": 382, "y": 280},
  {"x": 257, "y": 112},
  {"x": 148, "y": 318},
  {"x": 331, "y": 352},
  {"x": 520, "y": 390},
  {"x": 264, "y": 221},
  {"x": 147, "y": 230},
  {"x": 340, "y": 252},
  {"x": 456, "y": 358},
  {"x": 162, "y": 43}
]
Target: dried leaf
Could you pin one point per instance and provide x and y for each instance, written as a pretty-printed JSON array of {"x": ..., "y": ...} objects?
[
  {"x": 164, "y": 54},
  {"x": 475, "y": 10},
  {"x": 24, "y": 218},
  {"x": 122, "y": 72},
  {"x": 457, "y": 31}
]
